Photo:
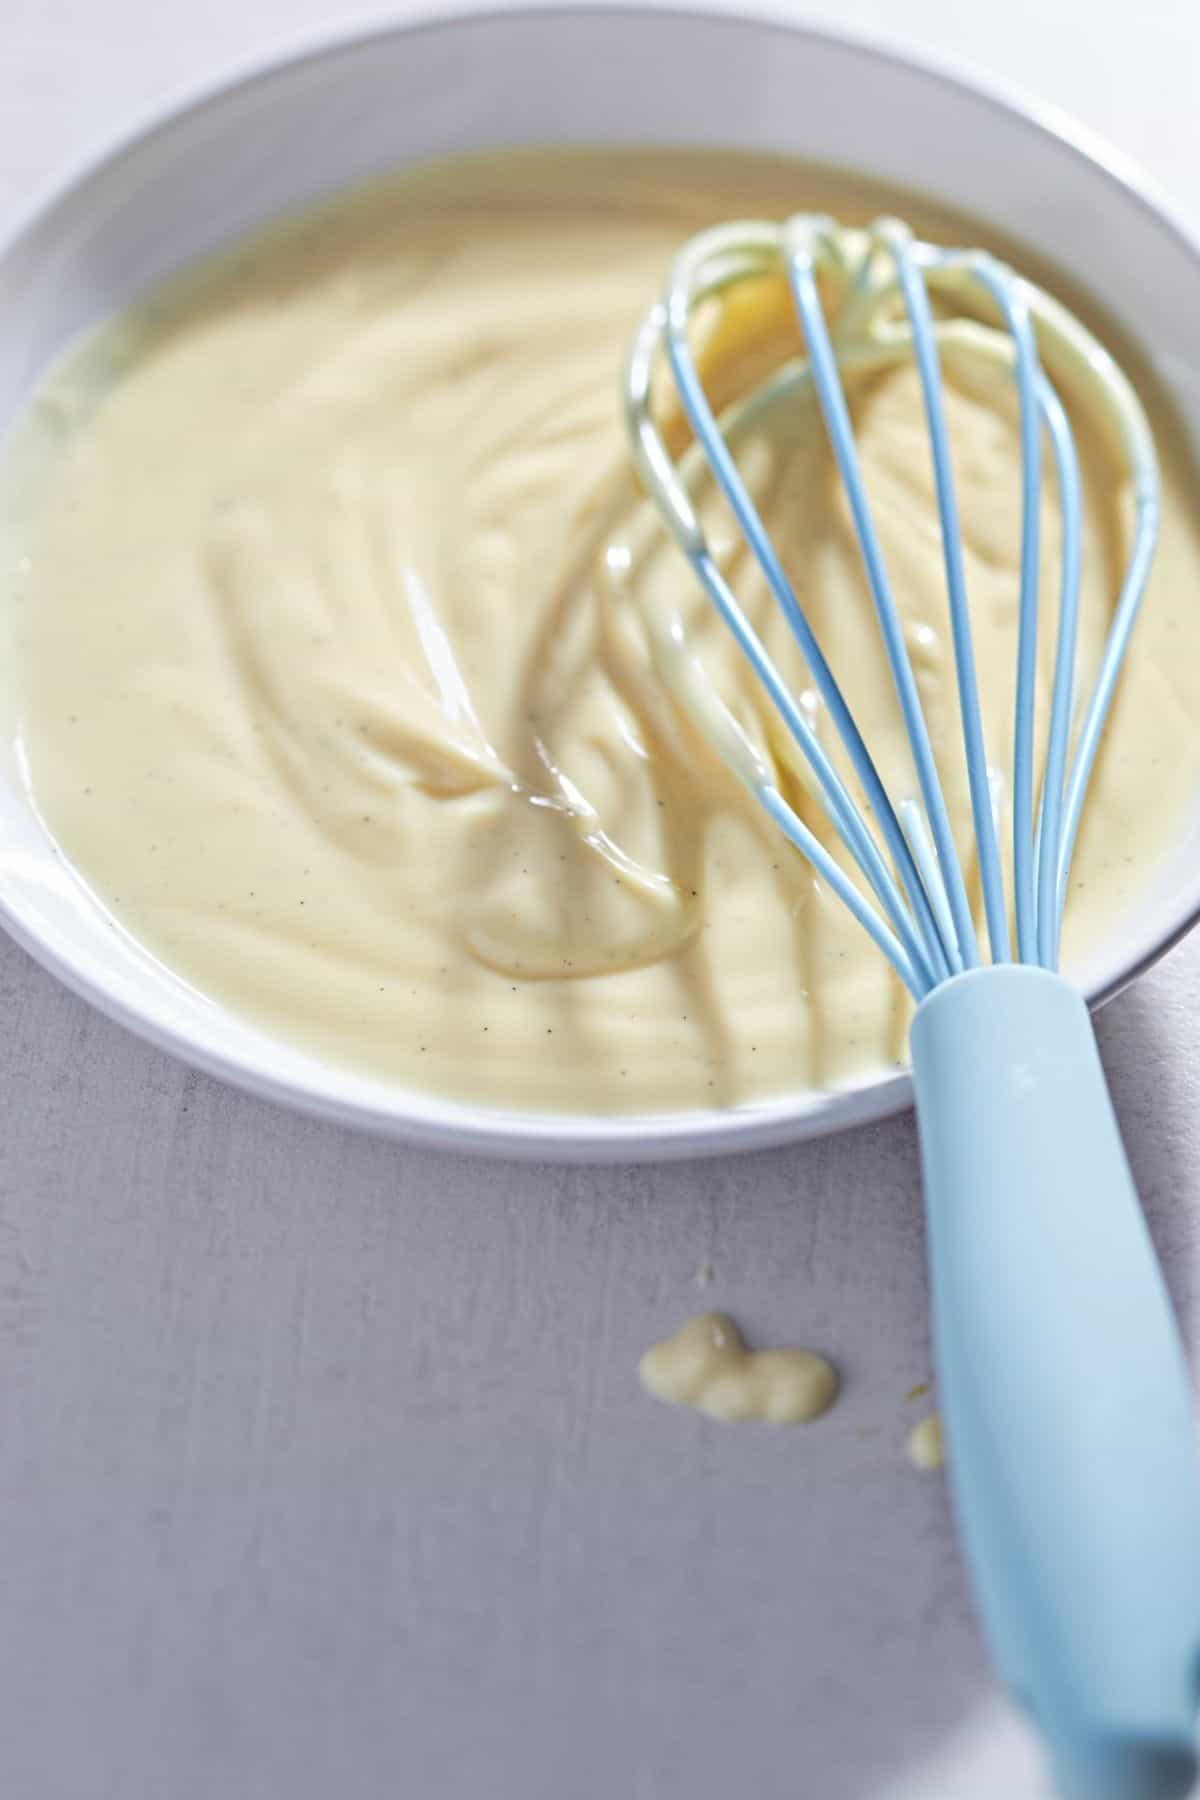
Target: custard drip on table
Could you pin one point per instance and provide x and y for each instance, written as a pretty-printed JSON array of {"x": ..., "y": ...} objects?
[
  {"x": 332, "y": 586},
  {"x": 925, "y": 1444},
  {"x": 707, "y": 1365}
]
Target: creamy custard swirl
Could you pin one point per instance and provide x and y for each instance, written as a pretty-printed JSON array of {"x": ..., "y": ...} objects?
[{"x": 335, "y": 680}]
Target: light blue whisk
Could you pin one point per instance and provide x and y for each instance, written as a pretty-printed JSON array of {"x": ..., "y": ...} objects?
[{"x": 1061, "y": 1374}]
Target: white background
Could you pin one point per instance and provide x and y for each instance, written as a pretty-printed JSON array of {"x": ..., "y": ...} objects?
[{"x": 323, "y": 1466}]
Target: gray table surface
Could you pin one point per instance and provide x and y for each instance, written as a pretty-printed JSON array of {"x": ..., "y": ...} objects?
[{"x": 323, "y": 1465}]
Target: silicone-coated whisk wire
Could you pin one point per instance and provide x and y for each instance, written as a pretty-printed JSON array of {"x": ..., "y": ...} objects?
[{"x": 920, "y": 908}]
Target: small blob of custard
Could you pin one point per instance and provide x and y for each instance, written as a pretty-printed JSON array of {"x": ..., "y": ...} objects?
[{"x": 707, "y": 1365}]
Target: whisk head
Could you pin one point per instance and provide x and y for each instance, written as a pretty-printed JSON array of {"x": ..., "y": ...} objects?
[{"x": 912, "y": 895}]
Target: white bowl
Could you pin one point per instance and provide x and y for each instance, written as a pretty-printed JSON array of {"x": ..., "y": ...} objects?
[{"x": 289, "y": 132}]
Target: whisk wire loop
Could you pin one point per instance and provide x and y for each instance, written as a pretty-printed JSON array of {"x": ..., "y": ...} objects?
[
  {"x": 1148, "y": 507},
  {"x": 931, "y": 954},
  {"x": 898, "y": 239},
  {"x": 799, "y": 238},
  {"x": 1009, "y": 297},
  {"x": 927, "y": 929},
  {"x": 1050, "y": 816},
  {"x": 843, "y": 811},
  {"x": 661, "y": 477}
]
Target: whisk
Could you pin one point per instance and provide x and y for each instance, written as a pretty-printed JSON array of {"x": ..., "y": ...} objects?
[{"x": 1061, "y": 1374}]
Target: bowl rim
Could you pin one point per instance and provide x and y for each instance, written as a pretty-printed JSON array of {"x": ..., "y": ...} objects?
[
  {"x": 427, "y": 1119},
  {"x": 1046, "y": 116}
]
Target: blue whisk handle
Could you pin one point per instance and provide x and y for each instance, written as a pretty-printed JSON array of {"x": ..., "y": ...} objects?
[{"x": 1063, "y": 1384}]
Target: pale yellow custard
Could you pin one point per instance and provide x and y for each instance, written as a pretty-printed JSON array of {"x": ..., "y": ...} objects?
[
  {"x": 331, "y": 678},
  {"x": 925, "y": 1445},
  {"x": 708, "y": 1365}
]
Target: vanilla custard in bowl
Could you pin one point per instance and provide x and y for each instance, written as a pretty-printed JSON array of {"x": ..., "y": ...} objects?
[{"x": 331, "y": 675}]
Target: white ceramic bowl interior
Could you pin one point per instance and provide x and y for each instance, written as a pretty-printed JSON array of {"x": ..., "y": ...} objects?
[{"x": 287, "y": 134}]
